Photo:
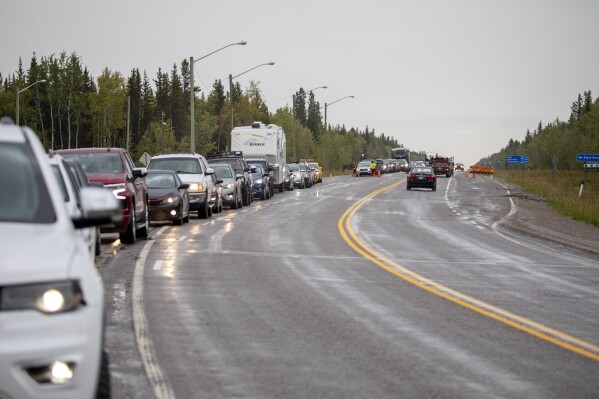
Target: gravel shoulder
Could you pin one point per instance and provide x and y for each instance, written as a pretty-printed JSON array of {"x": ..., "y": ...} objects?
[{"x": 535, "y": 217}]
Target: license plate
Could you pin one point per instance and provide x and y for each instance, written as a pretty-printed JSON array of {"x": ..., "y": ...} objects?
[{"x": 420, "y": 177}]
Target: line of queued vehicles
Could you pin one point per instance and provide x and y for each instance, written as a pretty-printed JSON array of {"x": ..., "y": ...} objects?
[{"x": 59, "y": 203}]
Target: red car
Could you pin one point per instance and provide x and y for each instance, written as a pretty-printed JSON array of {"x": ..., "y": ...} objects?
[{"x": 114, "y": 168}]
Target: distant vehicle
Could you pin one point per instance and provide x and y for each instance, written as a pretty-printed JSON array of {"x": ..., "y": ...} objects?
[
  {"x": 308, "y": 173},
  {"x": 288, "y": 178},
  {"x": 114, "y": 168},
  {"x": 52, "y": 296},
  {"x": 459, "y": 166},
  {"x": 363, "y": 168},
  {"x": 241, "y": 167},
  {"x": 421, "y": 177},
  {"x": 263, "y": 141},
  {"x": 318, "y": 170},
  {"x": 194, "y": 170},
  {"x": 231, "y": 184},
  {"x": 442, "y": 165},
  {"x": 261, "y": 182},
  {"x": 168, "y": 197},
  {"x": 404, "y": 165},
  {"x": 298, "y": 175},
  {"x": 401, "y": 153}
]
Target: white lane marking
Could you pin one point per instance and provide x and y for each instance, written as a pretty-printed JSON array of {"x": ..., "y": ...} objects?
[
  {"x": 182, "y": 238},
  {"x": 158, "y": 265},
  {"x": 162, "y": 389}
]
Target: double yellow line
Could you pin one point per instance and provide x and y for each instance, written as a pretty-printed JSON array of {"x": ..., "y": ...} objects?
[{"x": 511, "y": 319}]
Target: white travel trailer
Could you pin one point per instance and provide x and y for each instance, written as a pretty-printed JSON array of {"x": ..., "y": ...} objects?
[{"x": 261, "y": 141}]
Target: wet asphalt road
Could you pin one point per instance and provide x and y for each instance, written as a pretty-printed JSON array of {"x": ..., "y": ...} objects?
[{"x": 408, "y": 294}]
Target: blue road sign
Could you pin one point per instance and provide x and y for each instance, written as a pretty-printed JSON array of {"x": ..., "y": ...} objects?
[
  {"x": 587, "y": 157},
  {"x": 517, "y": 159}
]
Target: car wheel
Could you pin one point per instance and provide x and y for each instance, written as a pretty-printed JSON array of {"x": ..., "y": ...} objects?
[
  {"x": 179, "y": 221},
  {"x": 130, "y": 235},
  {"x": 408, "y": 187},
  {"x": 246, "y": 199},
  {"x": 186, "y": 218},
  {"x": 103, "y": 390},
  {"x": 144, "y": 232},
  {"x": 434, "y": 188},
  {"x": 203, "y": 211},
  {"x": 98, "y": 245}
]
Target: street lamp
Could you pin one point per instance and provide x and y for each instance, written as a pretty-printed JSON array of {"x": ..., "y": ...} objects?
[
  {"x": 326, "y": 128},
  {"x": 231, "y": 89},
  {"x": 22, "y": 90},
  {"x": 192, "y": 93},
  {"x": 293, "y": 118}
]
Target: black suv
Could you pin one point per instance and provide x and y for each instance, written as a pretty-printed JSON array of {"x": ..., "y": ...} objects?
[{"x": 241, "y": 167}]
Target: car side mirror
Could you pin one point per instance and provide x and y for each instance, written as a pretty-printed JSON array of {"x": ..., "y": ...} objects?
[
  {"x": 209, "y": 171},
  {"x": 184, "y": 186},
  {"x": 140, "y": 172},
  {"x": 220, "y": 181},
  {"x": 98, "y": 207}
]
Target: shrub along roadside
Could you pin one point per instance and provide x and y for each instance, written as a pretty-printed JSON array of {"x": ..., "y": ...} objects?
[{"x": 561, "y": 190}]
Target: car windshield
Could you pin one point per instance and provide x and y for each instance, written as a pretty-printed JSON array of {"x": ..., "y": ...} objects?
[
  {"x": 235, "y": 164},
  {"x": 98, "y": 162},
  {"x": 364, "y": 164},
  {"x": 294, "y": 167},
  {"x": 179, "y": 165},
  {"x": 302, "y": 167},
  {"x": 258, "y": 172},
  {"x": 160, "y": 180},
  {"x": 24, "y": 196},
  {"x": 422, "y": 170},
  {"x": 222, "y": 172}
]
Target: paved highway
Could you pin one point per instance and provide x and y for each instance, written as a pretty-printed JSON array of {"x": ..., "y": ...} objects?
[{"x": 353, "y": 288}]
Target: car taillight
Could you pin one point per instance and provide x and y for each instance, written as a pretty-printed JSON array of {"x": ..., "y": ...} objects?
[
  {"x": 430, "y": 176},
  {"x": 411, "y": 175}
]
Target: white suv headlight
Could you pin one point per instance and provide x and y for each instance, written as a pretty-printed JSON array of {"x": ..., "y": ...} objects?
[
  {"x": 49, "y": 298},
  {"x": 196, "y": 187}
]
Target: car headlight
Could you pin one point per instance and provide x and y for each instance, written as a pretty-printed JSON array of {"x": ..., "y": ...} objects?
[
  {"x": 229, "y": 185},
  {"x": 259, "y": 181},
  {"x": 49, "y": 298},
  {"x": 119, "y": 190},
  {"x": 196, "y": 186},
  {"x": 169, "y": 200}
]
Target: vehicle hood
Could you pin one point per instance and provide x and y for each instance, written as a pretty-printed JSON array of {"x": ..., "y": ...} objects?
[
  {"x": 107, "y": 178},
  {"x": 34, "y": 252},
  {"x": 155, "y": 193},
  {"x": 190, "y": 178}
]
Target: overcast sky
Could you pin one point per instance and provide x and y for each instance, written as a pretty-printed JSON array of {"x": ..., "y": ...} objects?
[{"x": 455, "y": 77}]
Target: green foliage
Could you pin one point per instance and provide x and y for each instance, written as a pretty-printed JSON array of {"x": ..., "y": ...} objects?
[
  {"x": 559, "y": 140},
  {"x": 72, "y": 109}
]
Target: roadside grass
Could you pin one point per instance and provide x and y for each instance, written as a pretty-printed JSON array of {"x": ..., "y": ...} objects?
[{"x": 561, "y": 190}]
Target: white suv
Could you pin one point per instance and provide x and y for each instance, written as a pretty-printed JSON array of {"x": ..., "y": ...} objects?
[
  {"x": 51, "y": 295},
  {"x": 193, "y": 169}
]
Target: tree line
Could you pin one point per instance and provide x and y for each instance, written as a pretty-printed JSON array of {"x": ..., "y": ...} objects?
[
  {"x": 557, "y": 143},
  {"x": 72, "y": 109}
]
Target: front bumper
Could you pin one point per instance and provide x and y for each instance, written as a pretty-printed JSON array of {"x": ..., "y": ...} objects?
[
  {"x": 30, "y": 339},
  {"x": 196, "y": 200}
]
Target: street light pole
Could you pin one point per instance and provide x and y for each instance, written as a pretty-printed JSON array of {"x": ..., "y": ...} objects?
[
  {"x": 326, "y": 127},
  {"x": 192, "y": 93},
  {"x": 293, "y": 119},
  {"x": 19, "y": 92},
  {"x": 231, "y": 88}
]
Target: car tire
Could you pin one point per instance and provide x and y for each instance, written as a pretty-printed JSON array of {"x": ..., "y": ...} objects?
[
  {"x": 179, "y": 220},
  {"x": 98, "y": 244},
  {"x": 103, "y": 389},
  {"x": 408, "y": 187},
  {"x": 144, "y": 232},
  {"x": 434, "y": 188},
  {"x": 186, "y": 218},
  {"x": 130, "y": 235},
  {"x": 246, "y": 199},
  {"x": 235, "y": 205},
  {"x": 203, "y": 211}
]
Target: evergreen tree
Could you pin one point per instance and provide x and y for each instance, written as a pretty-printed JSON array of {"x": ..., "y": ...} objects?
[
  {"x": 299, "y": 107},
  {"x": 314, "y": 120}
]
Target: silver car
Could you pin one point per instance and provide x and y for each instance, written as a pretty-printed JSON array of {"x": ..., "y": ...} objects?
[
  {"x": 298, "y": 175},
  {"x": 231, "y": 184}
]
